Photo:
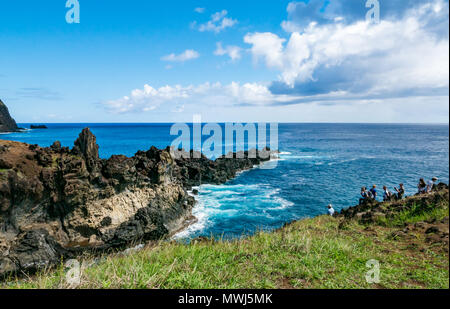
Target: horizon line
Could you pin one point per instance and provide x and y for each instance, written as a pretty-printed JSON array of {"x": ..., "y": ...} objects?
[{"x": 224, "y": 122}]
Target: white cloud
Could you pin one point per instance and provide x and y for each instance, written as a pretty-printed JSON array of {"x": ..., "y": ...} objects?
[
  {"x": 188, "y": 54},
  {"x": 217, "y": 23},
  {"x": 253, "y": 102},
  {"x": 268, "y": 46},
  {"x": 234, "y": 52},
  {"x": 207, "y": 94},
  {"x": 200, "y": 10},
  {"x": 394, "y": 71},
  {"x": 392, "y": 56}
]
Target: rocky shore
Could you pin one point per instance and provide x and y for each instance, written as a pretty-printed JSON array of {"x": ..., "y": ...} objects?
[{"x": 56, "y": 202}]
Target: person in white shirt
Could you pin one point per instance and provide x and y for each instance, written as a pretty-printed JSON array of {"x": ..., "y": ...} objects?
[
  {"x": 330, "y": 210},
  {"x": 386, "y": 194},
  {"x": 431, "y": 184}
]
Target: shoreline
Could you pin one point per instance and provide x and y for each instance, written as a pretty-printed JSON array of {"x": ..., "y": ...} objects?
[
  {"x": 75, "y": 201},
  {"x": 94, "y": 203}
]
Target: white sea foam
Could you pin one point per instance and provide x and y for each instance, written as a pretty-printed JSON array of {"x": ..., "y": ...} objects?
[
  {"x": 21, "y": 131},
  {"x": 299, "y": 157},
  {"x": 283, "y": 204},
  {"x": 343, "y": 161},
  {"x": 219, "y": 201}
]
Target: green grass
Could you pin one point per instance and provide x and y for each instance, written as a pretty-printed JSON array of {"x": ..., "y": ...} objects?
[
  {"x": 312, "y": 253},
  {"x": 416, "y": 214}
]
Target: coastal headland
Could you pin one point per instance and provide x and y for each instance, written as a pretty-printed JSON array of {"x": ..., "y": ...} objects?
[
  {"x": 57, "y": 202},
  {"x": 7, "y": 123}
]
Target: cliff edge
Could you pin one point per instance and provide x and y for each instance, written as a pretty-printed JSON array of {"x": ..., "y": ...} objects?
[
  {"x": 7, "y": 123},
  {"x": 407, "y": 240}
]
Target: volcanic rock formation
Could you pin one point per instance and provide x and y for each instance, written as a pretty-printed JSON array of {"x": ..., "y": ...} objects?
[
  {"x": 7, "y": 123},
  {"x": 56, "y": 202}
]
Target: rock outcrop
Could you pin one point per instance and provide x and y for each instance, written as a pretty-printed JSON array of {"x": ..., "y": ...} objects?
[
  {"x": 56, "y": 202},
  {"x": 7, "y": 123},
  {"x": 39, "y": 126}
]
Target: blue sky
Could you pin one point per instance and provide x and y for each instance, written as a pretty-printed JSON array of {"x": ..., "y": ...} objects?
[{"x": 247, "y": 60}]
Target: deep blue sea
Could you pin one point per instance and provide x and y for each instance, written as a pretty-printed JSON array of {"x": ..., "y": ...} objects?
[{"x": 319, "y": 164}]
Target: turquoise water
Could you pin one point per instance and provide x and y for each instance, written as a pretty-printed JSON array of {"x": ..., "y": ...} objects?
[{"x": 319, "y": 164}]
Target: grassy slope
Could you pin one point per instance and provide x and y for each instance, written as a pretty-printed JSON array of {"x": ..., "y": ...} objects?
[{"x": 312, "y": 253}]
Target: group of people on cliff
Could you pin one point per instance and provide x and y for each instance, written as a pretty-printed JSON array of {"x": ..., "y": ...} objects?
[
  {"x": 422, "y": 187},
  {"x": 372, "y": 194}
]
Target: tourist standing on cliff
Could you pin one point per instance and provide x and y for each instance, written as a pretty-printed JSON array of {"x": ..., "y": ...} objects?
[
  {"x": 400, "y": 191},
  {"x": 330, "y": 210},
  {"x": 386, "y": 194},
  {"x": 364, "y": 195},
  {"x": 422, "y": 186},
  {"x": 373, "y": 191},
  {"x": 431, "y": 184}
]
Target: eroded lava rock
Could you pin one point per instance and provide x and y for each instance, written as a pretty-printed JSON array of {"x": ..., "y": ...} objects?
[
  {"x": 7, "y": 123},
  {"x": 56, "y": 202}
]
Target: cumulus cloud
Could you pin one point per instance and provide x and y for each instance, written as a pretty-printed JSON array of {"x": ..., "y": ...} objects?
[
  {"x": 234, "y": 52},
  {"x": 206, "y": 94},
  {"x": 188, "y": 54},
  {"x": 393, "y": 58},
  {"x": 302, "y": 13},
  {"x": 267, "y": 46},
  {"x": 218, "y": 22},
  {"x": 253, "y": 102},
  {"x": 338, "y": 68},
  {"x": 199, "y": 10}
]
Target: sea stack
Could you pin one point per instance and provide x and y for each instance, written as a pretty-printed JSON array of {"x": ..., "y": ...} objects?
[{"x": 7, "y": 123}]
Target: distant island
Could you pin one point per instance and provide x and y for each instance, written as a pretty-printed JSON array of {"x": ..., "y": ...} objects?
[
  {"x": 7, "y": 123},
  {"x": 39, "y": 126}
]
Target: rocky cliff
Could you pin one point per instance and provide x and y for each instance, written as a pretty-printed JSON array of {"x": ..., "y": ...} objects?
[
  {"x": 7, "y": 123},
  {"x": 56, "y": 202}
]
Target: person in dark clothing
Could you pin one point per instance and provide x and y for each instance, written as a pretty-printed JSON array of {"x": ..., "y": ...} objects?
[
  {"x": 400, "y": 191},
  {"x": 386, "y": 194},
  {"x": 373, "y": 192},
  {"x": 422, "y": 186}
]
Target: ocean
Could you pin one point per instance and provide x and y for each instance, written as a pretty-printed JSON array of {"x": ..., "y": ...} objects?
[{"x": 319, "y": 164}]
